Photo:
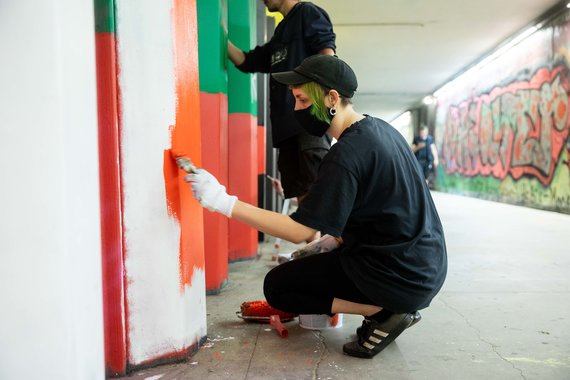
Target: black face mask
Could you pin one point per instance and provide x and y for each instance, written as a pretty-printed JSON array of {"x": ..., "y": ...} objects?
[{"x": 310, "y": 123}]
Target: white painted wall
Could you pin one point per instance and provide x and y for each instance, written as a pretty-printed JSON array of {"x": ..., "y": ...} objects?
[
  {"x": 161, "y": 318},
  {"x": 50, "y": 268}
]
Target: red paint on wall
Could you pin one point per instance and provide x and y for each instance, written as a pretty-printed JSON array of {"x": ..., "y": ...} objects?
[
  {"x": 111, "y": 207},
  {"x": 171, "y": 185},
  {"x": 171, "y": 357},
  {"x": 214, "y": 116},
  {"x": 186, "y": 136},
  {"x": 242, "y": 180}
]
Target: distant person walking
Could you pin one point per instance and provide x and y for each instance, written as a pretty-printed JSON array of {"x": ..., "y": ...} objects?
[{"x": 426, "y": 152}]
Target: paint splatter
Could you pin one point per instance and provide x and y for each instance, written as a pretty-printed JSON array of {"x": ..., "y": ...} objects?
[{"x": 155, "y": 377}]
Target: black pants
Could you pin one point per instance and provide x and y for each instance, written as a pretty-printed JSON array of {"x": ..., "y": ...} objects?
[
  {"x": 309, "y": 285},
  {"x": 298, "y": 162},
  {"x": 426, "y": 167}
]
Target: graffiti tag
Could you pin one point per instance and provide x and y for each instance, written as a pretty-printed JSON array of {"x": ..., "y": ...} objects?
[{"x": 519, "y": 130}]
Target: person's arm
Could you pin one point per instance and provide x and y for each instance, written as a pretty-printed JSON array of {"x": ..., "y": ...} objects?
[
  {"x": 277, "y": 185},
  {"x": 327, "y": 51},
  {"x": 272, "y": 223},
  {"x": 317, "y": 30},
  {"x": 257, "y": 60},
  {"x": 235, "y": 54},
  {"x": 418, "y": 146},
  {"x": 213, "y": 196},
  {"x": 434, "y": 154}
]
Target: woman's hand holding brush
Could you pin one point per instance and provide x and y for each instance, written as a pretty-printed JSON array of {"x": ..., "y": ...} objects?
[
  {"x": 206, "y": 188},
  {"x": 210, "y": 193}
]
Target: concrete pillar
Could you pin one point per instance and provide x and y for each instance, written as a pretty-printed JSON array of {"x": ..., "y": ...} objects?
[
  {"x": 212, "y": 46},
  {"x": 242, "y": 125}
]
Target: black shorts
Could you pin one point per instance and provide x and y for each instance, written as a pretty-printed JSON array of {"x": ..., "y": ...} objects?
[
  {"x": 309, "y": 285},
  {"x": 298, "y": 162}
]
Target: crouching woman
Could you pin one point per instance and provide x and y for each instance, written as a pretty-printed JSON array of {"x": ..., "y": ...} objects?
[{"x": 371, "y": 196}]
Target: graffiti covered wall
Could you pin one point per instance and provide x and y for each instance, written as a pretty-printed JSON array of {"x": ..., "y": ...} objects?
[{"x": 503, "y": 130}]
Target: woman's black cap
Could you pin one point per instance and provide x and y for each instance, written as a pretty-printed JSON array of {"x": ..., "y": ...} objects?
[{"x": 327, "y": 70}]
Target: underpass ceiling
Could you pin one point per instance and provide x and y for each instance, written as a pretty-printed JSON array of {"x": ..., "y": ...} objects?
[{"x": 402, "y": 50}]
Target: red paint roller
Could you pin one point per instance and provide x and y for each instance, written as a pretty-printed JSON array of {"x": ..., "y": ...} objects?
[
  {"x": 260, "y": 311},
  {"x": 276, "y": 322}
]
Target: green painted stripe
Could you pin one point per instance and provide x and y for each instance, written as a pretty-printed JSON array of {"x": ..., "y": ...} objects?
[
  {"x": 242, "y": 24},
  {"x": 104, "y": 16},
  {"x": 213, "y": 45}
]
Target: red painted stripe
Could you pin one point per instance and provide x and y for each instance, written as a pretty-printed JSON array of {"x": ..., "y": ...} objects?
[
  {"x": 214, "y": 129},
  {"x": 111, "y": 208},
  {"x": 186, "y": 134},
  {"x": 242, "y": 129},
  {"x": 172, "y": 357}
]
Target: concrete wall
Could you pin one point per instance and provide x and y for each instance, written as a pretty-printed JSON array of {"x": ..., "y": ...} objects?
[
  {"x": 50, "y": 276},
  {"x": 162, "y": 223},
  {"x": 503, "y": 129}
]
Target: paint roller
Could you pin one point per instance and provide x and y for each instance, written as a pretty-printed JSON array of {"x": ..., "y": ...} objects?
[{"x": 261, "y": 311}]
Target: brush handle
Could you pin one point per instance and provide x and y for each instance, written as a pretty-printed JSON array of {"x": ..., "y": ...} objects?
[{"x": 279, "y": 327}]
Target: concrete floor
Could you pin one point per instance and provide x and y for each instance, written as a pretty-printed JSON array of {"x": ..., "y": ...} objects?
[{"x": 503, "y": 313}]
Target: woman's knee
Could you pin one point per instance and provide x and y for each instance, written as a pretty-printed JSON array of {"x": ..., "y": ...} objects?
[{"x": 273, "y": 286}]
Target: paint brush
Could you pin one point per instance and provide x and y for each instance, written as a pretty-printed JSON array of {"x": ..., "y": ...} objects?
[{"x": 184, "y": 163}]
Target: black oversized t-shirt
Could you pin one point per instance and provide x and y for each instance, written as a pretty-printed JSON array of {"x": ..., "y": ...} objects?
[
  {"x": 370, "y": 191},
  {"x": 305, "y": 31}
]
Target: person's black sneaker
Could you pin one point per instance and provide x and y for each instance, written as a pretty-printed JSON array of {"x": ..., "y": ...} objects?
[
  {"x": 375, "y": 336},
  {"x": 416, "y": 314},
  {"x": 417, "y": 318}
]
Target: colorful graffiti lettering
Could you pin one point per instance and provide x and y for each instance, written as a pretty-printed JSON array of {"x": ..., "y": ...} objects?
[{"x": 519, "y": 129}]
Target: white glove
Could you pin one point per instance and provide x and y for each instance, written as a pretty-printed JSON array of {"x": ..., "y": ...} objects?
[{"x": 211, "y": 195}]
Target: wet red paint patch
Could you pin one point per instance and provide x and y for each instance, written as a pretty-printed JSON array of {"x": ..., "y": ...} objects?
[
  {"x": 171, "y": 185},
  {"x": 185, "y": 138}
]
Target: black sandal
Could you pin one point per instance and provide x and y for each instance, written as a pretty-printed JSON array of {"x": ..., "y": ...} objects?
[
  {"x": 416, "y": 314},
  {"x": 375, "y": 336}
]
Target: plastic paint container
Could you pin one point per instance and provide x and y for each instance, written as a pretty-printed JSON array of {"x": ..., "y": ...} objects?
[{"x": 319, "y": 321}]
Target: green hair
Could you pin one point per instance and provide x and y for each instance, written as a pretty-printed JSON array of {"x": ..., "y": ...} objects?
[{"x": 316, "y": 94}]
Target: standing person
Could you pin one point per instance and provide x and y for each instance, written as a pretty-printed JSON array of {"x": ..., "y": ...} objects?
[
  {"x": 426, "y": 152},
  {"x": 305, "y": 30},
  {"x": 390, "y": 259}
]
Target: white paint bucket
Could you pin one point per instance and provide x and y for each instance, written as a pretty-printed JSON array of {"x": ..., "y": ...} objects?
[{"x": 319, "y": 321}]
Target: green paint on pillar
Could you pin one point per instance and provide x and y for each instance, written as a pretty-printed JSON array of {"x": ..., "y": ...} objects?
[
  {"x": 213, "y": 45},
  {"x": 104, "y": 16},
  {"x": 242, "y": 88}
]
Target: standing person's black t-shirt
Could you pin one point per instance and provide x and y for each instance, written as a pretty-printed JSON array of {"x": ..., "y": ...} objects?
[
  {"x": 371, "y": 192},
  {"x": 305, "y": 31}
]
